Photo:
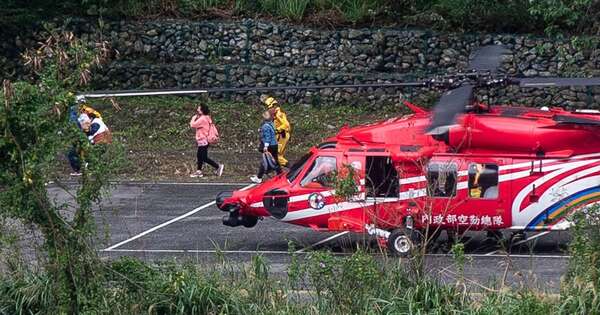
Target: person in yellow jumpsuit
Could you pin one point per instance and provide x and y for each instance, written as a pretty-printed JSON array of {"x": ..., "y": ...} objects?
[
  {"x": 282, "y": 126},
  {"x": 85, "y": 109}
]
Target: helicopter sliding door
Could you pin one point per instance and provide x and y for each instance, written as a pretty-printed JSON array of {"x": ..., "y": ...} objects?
[
  {"x": 382, "y": 187},
  {"x": 381, "y": 178}
]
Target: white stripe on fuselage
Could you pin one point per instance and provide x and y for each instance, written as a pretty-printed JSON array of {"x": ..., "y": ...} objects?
[
  {"x": 333, "y": 208},
  {"x": 517, "y": 214},
  {"x": 416, "y": 193},
  {"x": 417, "y": 179},
  {"x": 565, "y": 187}
]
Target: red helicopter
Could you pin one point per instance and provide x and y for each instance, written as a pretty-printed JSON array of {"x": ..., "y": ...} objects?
[{"x": 463, "y": 166}]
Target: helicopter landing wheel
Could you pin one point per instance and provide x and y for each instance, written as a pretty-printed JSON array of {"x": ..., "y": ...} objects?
[{"x": 404, "y": 242}]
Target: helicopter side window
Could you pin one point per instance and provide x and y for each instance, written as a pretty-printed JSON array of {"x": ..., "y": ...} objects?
[
  {"x": 441, "y": 179},
  {"x": 321, "y": 173},
  {"x": 483, "y": 181}
]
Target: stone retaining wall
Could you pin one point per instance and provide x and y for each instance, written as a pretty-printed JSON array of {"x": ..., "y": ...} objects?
[{"x": 184, "y": 54}]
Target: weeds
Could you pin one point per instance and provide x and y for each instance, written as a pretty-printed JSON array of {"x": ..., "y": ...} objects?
[
  {"x": 26, "y": 292},
  {"x": 580, "y": 292},
  {"x": 322, "y": 284},
  {"x": 199, "y": 5},
  {"x": 293, "y": 9},
  {"x": 355, "y": 11}
]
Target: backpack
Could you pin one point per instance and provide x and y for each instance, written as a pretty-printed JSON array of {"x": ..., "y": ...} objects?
[
  {"x": 213, "y": 134},
  {"x": 268, "y": 162}
]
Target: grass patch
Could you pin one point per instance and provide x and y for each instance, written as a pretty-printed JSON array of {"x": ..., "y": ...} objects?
[
  {"x": 319, "y": 283},
  {"x": 155, "y": 132}
]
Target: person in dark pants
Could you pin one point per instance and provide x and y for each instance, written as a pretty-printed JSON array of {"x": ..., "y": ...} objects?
[
  {"x": 269, "y": 147},
  {"x": 74, "y": 161},
  {"x": 201, "y": 122}
]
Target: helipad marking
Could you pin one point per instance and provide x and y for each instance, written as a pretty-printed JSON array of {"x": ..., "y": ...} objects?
[
  {"x": 521, "y": 242},
  {"x": 183, "y": 216},
  {"x": 322, "y": 241}
]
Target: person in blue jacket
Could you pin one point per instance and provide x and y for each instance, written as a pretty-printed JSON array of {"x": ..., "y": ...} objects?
[
  {"x": 268, "y": 146},
  {"x": 73, "y": 155}
]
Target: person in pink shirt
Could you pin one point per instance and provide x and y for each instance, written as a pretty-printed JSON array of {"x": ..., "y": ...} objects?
[{"x": 201, "y": 122}]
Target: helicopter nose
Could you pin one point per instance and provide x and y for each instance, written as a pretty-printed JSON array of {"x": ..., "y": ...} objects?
[{"x": 220, "y": 200}]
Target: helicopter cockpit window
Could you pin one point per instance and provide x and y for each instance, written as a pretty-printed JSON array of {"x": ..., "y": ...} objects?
[
  {"x": 297, "y": 167},
  {"x": 320, "y": 173},
  {"x": 441, "y": 179},
  {"x": 483, "y": 181}
]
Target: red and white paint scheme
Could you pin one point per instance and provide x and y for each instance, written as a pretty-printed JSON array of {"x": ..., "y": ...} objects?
[{"x": 496, "y": 168}]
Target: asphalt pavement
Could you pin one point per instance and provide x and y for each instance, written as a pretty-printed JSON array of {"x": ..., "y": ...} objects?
[{"x": 165, "y": 221}]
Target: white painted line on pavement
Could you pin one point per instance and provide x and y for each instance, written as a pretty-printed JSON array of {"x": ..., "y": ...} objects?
[
  {"x": 322, "y": 241},
  {"x": 521, "y": 242},
  {"x": 183, "y": 216}
]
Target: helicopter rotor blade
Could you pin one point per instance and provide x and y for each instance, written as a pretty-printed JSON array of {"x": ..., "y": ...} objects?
[
  {"x": 549, "y": 82},
  {"x": 488, "y": 58},
  {"x": 155, "y": 92},
  {"x": 451, "y": 103}
]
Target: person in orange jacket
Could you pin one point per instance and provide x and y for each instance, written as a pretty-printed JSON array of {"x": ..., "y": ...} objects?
[{"x": 282, "y": 126}]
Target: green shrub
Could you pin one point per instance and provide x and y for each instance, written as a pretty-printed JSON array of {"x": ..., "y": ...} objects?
[
  {"x": 358, "y": 10},
  {"x": 189, "y": 6},
  {"x": 268, "y": 6},
  {"x": 518, "y": 303},
  {"x": 292, "y": 9},
  {"x": 580, "y": 291},
  {"x": 244, "y": 6},
  {"x": 26, "y": 293},
  {"x": 483, "y": 15},
  {"x": 559, "y": 15}
]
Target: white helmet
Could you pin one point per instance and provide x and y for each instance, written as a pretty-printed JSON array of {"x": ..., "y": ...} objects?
[{"x": 80, "y": 99}]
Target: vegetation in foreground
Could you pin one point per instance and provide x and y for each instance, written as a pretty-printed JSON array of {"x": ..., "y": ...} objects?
[
  {"x": 70, "y": 278},
  {"x": 319, "y": 283}
]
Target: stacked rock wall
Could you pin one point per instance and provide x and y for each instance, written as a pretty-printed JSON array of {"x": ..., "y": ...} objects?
[{"x": 186, "y": 54}]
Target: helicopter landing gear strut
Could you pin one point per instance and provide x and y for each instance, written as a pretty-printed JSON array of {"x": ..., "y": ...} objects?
[{"x": 402, "y": 242}]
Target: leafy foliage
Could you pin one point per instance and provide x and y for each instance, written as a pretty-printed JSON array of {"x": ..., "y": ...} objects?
[
  {"x": 552, "y": 16},
  {"x": 580, "y": 290},
  {"x": 346, "y": 182},
  {"x": 36, "y": 126},
  {"x": 565, "y": 14}
]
